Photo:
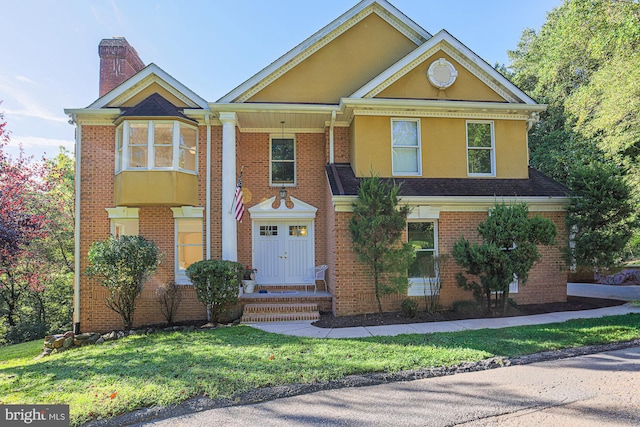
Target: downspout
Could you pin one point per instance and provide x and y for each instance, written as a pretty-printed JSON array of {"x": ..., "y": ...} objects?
[
  {"x": 207, "y": 120},
  {"x": 76, "y": 261},
  {"x": 331, "y": 141},
  {"x": 533, "y": 119}
]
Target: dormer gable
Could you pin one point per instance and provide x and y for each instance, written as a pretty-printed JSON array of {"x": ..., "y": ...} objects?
[
  {"x": 152, "y": 79},
  {"x": 475, "y": 80}
]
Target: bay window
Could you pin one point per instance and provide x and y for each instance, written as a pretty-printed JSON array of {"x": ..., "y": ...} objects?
[{"x": 156, "y": 145}]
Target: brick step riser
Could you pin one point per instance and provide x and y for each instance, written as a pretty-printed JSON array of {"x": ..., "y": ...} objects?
[
  {"x": 283, "y": 317},
  {"x": 280, "y": 308}
]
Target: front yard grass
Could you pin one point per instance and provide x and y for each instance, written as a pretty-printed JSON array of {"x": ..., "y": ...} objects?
[{"x": 166, "y": 368}]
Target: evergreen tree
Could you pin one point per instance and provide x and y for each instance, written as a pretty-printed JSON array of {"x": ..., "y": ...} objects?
[
  {"x": 510, "y": 238},
  {"x": 376, "y": 229}
]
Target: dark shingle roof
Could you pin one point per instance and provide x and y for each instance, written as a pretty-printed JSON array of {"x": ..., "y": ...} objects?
[
  {"x": 154, "y": 106},
  {"x": 343, "y": 182}
]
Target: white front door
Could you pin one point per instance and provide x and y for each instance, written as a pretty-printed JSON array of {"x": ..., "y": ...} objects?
[{"x": 283, "y": 251}]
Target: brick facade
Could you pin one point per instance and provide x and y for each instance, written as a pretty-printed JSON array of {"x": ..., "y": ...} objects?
[
  {"x": 354, "y": 291},
  {"x": 347, "y": 279},
  {"x": 156, "y": 223}
]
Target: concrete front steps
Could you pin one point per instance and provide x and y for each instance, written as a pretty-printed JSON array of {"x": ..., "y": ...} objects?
[{"x": 279, "y": 312}]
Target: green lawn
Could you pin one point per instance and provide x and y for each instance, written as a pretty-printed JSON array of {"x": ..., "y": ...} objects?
[{"x": 165, "y": 368}]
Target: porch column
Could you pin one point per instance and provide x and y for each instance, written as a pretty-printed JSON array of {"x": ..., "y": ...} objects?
[{"x": 229, "y": 228}]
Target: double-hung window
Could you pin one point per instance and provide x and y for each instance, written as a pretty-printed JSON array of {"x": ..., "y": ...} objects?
[
  {"x": 481, "y": 157},
  {"x": 422, "y": 237},
  {"x": 189, "y": 240},
  {"x": 162, "y": 145},
  {"x": 136, "y": 139},
  {"x": 405, "y": 147},
  {"x": 124, "y": 221},
  {"x": 282, "y": 163},
  {"x": 156, "y": 145}
]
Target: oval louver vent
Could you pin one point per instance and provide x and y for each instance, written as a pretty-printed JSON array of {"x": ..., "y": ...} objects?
[{"x": 442, "y": 73}]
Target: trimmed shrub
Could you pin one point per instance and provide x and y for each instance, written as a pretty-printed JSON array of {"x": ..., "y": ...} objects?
[
  {"x": 409, "y": 308},
  {"x": 123, "y": 264},
  {"x": 216, "y": 283}
]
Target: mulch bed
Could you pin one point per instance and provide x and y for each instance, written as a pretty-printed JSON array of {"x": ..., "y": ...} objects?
[{"x": 327, "y": 320}]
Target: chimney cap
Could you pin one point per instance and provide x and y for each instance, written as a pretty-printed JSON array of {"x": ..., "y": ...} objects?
[{"x": 115, "y": 41}]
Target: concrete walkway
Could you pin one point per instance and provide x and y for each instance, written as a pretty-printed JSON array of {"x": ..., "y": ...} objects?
[
  {"x": 594, "y": 290},
  {"x": 306, "y": 329}
]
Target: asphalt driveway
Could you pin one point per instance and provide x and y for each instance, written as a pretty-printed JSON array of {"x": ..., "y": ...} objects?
[{"x": 601, "y": 389}]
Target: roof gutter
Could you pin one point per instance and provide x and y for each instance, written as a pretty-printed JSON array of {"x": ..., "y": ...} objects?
[
  {"x": 418, "y": 105},
  {"x": 76, "y": 260},
  {"x": 331, "y": 139}
]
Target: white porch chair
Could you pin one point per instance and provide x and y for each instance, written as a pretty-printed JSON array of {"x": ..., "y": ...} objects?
[{"x": 319, "y": 274}]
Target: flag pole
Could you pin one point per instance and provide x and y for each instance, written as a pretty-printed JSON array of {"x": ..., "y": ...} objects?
[{"x": 238, "y": 191}]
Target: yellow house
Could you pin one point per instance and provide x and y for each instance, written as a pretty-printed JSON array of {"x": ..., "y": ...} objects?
[{"x": 371, "y": 91}]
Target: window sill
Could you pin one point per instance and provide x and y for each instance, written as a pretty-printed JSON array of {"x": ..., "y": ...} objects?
[
  {"x": 190, "y": 172},
  {"x": 481, "y": 175},
  {"x": 418, "y": 287}
]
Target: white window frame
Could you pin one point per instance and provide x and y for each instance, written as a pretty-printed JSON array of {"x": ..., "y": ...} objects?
[
  {"x": 122, "y": 146},
  {"x": 514, "y": 285},
  {"x": 119, "y": 148},
  {"x": 122, "y": 214},
  {"x": 492, "y": 148},
  {"x": 185, "y": 212},
  {"x": 294, "y": 161},
  {"x": 418, "y": 148},
  {"x": 417, "y": 285}
]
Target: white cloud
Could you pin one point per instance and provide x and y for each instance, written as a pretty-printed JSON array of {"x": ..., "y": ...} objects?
[
  {"x": 31, "y": 142},
  {"x": 27, "y": 104},
  {"x": 24, "y": 79}
]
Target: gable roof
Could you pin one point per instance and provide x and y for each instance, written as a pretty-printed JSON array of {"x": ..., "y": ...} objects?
[
  {"x": 144, "y": 78},
  {"x": 154, "y": 106},
  {"x": 461, "y": 53},
  {"x": 321, "y": 38}
]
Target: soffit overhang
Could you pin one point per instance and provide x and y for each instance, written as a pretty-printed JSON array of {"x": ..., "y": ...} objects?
[{"x": 301, "y": 118}]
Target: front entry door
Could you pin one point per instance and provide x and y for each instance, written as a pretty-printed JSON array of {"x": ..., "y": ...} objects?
[{"x": 283, "y": 251}]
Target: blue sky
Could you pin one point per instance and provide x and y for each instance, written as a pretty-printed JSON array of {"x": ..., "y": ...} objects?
[{"x": 50, "y": 48}]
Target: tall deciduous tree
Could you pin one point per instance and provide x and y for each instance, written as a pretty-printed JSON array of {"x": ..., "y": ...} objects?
[
  {"x": 584, "y": 63},
  {"x": 509, "y": 246},
  {"x": 21, "y": 222},
  {"x": 376, "y": 229},
  {"x": 36, "y": 243}
]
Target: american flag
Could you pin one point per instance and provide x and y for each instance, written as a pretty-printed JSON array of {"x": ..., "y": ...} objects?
[{"x": 238, "y": 201}]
